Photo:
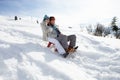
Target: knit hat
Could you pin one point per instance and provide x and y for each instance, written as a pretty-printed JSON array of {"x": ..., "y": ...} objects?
[{"x": 45, "y": 17}]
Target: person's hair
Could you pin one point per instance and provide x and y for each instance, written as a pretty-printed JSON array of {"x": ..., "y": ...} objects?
[{"x": 52, "y": 18}]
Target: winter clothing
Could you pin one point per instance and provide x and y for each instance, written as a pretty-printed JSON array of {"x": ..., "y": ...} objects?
[
  {"x": 71, "y": 50},
  {"x": 51, "y": 35},
  {"x": 53, "y": 31},
  {"x": 45, "y": 30},
  {"x": 65, "y": 55},
  {"x": 63, "y": 39},
  {"x": 57, "y": 45},
  {"x": 56, "y": 30}
]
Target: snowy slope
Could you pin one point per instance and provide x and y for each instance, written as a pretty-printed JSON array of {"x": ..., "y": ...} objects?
[{"x": 24, "y": 56}]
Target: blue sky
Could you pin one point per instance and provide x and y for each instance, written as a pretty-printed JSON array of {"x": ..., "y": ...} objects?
[
  {"x": 66, "y": 11},
  {"x": 21, "y": 7}
]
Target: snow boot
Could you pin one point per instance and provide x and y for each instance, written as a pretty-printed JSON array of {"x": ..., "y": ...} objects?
[
  {"x": 65, "y": 55},
  {"x": 71, "y": 50}
]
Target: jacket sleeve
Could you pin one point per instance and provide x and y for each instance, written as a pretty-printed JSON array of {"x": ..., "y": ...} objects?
[
  {"x": 57, "y": 26},
  {"x": 45, "y": 28}
]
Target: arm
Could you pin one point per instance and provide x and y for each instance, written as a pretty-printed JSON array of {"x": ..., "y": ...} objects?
[{"x": 58, "y": 29}]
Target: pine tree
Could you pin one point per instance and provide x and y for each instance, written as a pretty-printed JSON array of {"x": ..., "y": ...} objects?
[{"x": 113, "y": 24}]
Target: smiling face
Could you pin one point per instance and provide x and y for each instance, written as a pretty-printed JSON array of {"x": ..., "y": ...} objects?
[{"x": 52, "y": 22}]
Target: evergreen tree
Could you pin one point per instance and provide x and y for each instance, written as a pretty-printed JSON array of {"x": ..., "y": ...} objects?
[{"x": 113, "y": 24}]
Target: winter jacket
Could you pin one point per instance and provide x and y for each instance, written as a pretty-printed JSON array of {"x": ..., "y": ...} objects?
[
  {"x": 53, "y": 32},
  {"x": 45, "y": 30}
]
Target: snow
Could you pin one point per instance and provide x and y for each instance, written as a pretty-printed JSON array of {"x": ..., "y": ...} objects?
[{"x": 24, "y": 55}]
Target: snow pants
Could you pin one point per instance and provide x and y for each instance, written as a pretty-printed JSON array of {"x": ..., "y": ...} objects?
[
  {"x": 63, "y": 39},
  {"x": 57, "y": 45}
]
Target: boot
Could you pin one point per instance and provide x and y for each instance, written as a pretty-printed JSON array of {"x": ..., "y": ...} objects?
[
  {"x": 65, "y": 55},
  {"x": 71, "y": 49}
]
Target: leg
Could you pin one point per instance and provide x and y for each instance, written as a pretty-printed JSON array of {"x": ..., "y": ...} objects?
[
  {"x": 63, "y": 39},
  {"x": 72, "y": 39},
  {"x": 57, "y": 45}
]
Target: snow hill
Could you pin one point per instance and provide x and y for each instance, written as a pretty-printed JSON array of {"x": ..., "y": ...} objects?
[{"x": 24, "y": 56}]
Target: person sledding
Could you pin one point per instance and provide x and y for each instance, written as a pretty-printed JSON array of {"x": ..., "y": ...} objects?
[{"x": 55, "y": 33}]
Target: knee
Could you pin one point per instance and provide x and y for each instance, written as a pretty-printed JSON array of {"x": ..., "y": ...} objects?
[
  {"x": 73, "y": 36},
  {"x": 64, "y": 37}
]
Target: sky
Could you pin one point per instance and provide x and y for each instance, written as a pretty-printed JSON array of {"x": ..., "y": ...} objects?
[{"x": 66, "y": 11}]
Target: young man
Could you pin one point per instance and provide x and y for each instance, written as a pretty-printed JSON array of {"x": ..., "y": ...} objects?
[{"x": 63, "y": 39}]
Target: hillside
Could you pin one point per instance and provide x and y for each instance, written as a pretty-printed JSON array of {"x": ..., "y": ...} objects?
[{"x": 24, "y": 55}]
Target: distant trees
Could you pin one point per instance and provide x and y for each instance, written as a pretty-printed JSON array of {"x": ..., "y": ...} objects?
[
  {"x": 99, "y": 30},
  {"x": 113, "y": 30},
  {"x": 107, "y": 31},
  {"x": 89, "y": 29}
]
